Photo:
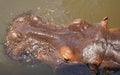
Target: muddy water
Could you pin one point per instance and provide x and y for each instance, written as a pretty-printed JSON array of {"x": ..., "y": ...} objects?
[{"x": 60, "y": 12}]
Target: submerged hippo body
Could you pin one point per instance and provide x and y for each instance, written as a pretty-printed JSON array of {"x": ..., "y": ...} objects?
[{"x": 32, "y": 39}]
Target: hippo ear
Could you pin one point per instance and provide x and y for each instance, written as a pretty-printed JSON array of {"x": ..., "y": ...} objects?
[
  {"x": 78, "y": 25},
  {"x": 104, "y": 22}
]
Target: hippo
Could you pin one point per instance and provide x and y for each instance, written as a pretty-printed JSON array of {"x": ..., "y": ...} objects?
[{"x": 30, "y": 39}]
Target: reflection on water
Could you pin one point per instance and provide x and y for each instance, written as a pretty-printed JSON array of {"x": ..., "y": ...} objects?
[{"x": 57, "y": 11}]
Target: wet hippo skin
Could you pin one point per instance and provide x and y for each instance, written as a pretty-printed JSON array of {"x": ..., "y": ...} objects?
[{"x": 32, "y": 39}]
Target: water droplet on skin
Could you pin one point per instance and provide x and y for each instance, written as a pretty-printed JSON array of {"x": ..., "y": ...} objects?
[
  {"x": 76, "y": 22},
  {"x": 21, "y": 19},
  {"x": 81, "y": 30},
  {"x": 85, "y": 27},
  {"x": 35, "y": 18},
  {"x": 14, "y": 34}
]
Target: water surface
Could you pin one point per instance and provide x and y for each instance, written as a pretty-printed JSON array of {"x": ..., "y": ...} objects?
[{"x": 60, "y": 12}]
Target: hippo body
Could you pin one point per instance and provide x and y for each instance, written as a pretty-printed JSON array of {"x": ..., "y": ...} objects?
[{"x": 31, "y": 39}]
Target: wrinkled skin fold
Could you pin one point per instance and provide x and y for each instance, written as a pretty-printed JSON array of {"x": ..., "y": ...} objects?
[{"x": 31, "y": 39}]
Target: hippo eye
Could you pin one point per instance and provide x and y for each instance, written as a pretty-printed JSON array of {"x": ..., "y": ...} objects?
[{"x": 66, "y": 60}]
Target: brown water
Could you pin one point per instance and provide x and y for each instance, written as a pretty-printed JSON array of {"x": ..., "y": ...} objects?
[{"x": 57, "y": 11}]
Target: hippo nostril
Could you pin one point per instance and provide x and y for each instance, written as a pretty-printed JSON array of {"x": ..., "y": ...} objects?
[
  {"x": 14, "y": 36},
  {"x": 19, "y": 36}
]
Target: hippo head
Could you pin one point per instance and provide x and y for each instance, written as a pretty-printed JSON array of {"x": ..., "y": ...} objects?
[
  {"x": 30, "y": 38},
  {"x": 17, "y": 42}
]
